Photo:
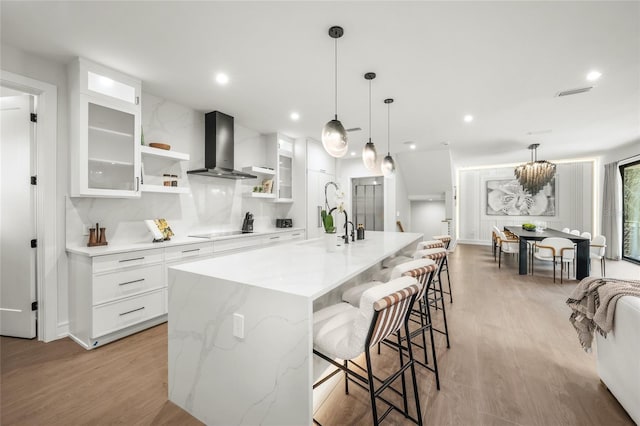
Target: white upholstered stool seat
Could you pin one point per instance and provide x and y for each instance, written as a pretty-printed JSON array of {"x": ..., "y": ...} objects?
[
  {"x": 429, "y": 244},
  {"x": 352, "y": 296}
]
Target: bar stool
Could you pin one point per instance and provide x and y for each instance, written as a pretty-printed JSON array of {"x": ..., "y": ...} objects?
[
  {"x": 424, "y": 275},
  {"x": 345, "y": 332},
  {"x": 435, "y": 293},
  {"x": 352, "y": 296},
  {"x": 446, "y": 240},
  {"x": 429, "y": 244}
]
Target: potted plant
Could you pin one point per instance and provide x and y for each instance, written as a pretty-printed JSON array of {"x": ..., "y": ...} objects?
[{"x": 330, "y": 231}]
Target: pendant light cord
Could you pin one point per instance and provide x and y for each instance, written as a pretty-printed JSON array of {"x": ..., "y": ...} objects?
[
  {"x": 388, "y": 129},
  {"x": 369, "y": 110},
  {"x": 336, "y": 77}
]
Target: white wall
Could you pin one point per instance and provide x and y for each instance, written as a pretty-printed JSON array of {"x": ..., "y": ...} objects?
[
  {"x": 427, "y": 217},
  {"x": 574, "y": 201}
]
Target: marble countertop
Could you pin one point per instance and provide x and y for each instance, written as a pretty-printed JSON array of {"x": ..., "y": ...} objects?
[
  {"x": 175, "y": 241},
  {"x": 303, "y": 268}
]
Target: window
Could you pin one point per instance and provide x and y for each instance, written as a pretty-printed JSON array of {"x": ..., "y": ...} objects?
[{"x": 631, "y": 211}]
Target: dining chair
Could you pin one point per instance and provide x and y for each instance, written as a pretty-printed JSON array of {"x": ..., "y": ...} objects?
[
  {"x": 566, "y": 230},
  {"x": 507, "y": 245},
  {"x": 586, "y": 235},
  {"x": 597, "y": 250},
  {"x": 555, "y": 250},
  {"x": 575, "y": 232}
]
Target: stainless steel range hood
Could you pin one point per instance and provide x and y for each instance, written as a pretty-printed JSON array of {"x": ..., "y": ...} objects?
[{"x": 218, "y": 148}]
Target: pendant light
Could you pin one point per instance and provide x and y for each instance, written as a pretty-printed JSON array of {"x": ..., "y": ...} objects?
[
  {"x": 369, "y": 155},
  {"x": 334, "y": 136},
  {"x": 534, "y": 175},
  {"x": 388, "y": 166}
]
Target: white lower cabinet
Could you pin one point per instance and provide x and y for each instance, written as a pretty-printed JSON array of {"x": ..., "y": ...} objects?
[
  {"x": 114, "y": 295},
  {"x": 114, "y": 316}
]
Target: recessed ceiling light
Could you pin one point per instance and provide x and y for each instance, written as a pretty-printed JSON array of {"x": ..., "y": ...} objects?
[
  {"x": 468, "y": 118},
  {"x": 353, "y": 153},
  {"x": 594, "y": 75},
  {"x": 295, "y": 116},
  {"x": 412, "y": 146},
  {"x": 222, "y": 78}
]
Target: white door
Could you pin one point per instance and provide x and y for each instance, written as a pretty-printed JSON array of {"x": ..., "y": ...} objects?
[{"x": 17, "y": 223}]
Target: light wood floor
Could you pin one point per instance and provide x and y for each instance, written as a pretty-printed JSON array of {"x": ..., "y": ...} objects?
[{"x": 514, "y": 359}]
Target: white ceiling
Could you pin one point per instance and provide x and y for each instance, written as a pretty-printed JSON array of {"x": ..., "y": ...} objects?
[{"x": 503, "y": 62}]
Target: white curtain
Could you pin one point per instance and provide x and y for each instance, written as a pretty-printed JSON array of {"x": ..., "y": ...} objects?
[{"x": 612, "y": 210}]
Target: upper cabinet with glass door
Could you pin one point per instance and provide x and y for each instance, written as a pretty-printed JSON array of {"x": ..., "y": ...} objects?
[
  {"x": 105, "y": 131},
  {"x": 280, "y": 150}
]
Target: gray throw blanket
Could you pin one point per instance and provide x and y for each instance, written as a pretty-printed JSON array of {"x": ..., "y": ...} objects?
[{"x": 593, "y": 302}]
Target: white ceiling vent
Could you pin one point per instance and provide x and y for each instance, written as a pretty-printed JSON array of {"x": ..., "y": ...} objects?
[{"x": 574, "y": 91}]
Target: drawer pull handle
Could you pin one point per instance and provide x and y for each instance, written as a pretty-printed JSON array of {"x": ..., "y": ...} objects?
[
  {"x": 132, "y": 282},
  {"x": 294, "y": 235},
  {"x": 190, "y": 251},
  {"x": 132, "y": 311},
  {"x": 131, "y": 260},
  {"x": 274, "y": 238}
]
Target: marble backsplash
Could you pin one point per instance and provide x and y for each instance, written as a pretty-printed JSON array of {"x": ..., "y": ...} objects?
[{"x": 213, "y": 204}]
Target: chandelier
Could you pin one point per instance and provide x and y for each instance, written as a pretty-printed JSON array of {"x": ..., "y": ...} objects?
[{"x": 534, "y": 175}]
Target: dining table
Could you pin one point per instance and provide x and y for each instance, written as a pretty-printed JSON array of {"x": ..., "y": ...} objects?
[{"x": 524, "y": 236}]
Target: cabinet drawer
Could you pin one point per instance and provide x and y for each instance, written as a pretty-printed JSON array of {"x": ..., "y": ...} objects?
[
  {"x": 236, "y": 243},
  {"x": 186, "y": 251},
  {"x": 112, "y": 262},
  {"x": 114, "y": 316},
  {"x": 120, "y": 284}
]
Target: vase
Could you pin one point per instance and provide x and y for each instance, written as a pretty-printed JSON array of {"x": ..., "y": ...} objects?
[{"x": 331, "y": 241}]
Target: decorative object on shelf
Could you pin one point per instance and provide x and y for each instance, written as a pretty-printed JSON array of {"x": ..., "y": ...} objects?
[
  {"x": 97, "y": 236},
  {"x": 360, "y": 232},
  {"x": 369, "y": 154},
  {"x": 267, "y": 186},
  {"x": 388, "y": 166},
  {"x": 334, "y": 135},
  {"x": 534, "y": 175},
  {"x": 166, "y": 179},
  {"x": 159, "y": 145}
]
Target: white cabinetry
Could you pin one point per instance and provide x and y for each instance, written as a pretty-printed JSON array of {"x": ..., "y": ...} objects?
[
  {"x": 318, "y": 159},
  {"x": 115, "y": 295},
  {"x": 104, "y": 123},
  {"x": 280, "y": 152}
]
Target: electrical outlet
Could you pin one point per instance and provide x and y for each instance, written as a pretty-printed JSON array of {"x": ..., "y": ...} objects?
[
  {"x": 238, "y": 325},
  {"x": 85, "y": 229}
]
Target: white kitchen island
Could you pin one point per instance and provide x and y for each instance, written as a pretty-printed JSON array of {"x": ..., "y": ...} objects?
[{"x": 266, "y": 376}]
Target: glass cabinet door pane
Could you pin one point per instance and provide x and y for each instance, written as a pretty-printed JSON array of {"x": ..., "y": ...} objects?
[
  {"x": 110, "y": 142},
  {"x": 107, "y": 86},
  {"x": 284, "y": 176}
]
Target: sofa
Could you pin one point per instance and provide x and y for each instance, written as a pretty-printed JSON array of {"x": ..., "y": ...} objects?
[{"x": 619, "y": 356}]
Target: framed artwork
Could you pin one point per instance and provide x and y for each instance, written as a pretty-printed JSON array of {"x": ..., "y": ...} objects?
[{"x": 505, "y": 197}]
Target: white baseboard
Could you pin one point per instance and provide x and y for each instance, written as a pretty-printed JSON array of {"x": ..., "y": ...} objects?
[{"x": 62, "y": 330}]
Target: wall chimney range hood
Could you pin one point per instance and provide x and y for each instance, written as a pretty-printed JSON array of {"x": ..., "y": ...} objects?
[{"x": 218, "y": 148}]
